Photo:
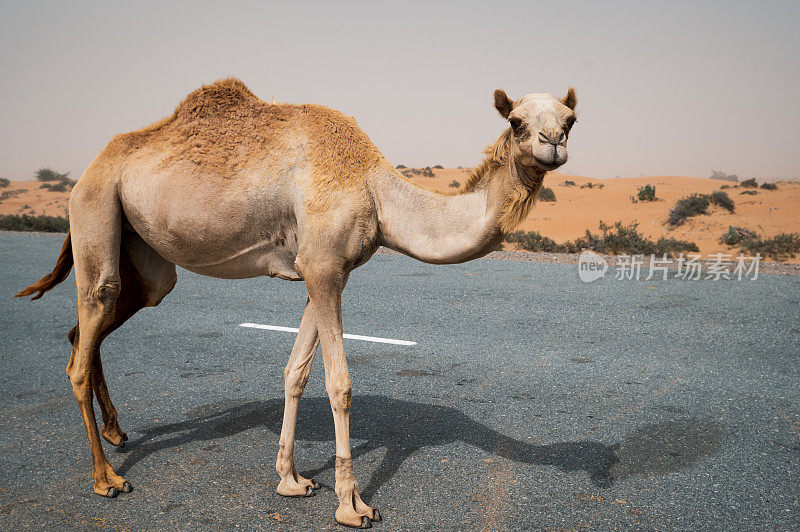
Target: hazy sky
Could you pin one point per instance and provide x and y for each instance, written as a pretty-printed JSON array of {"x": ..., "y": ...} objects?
[{"x": 664, "y": 87}]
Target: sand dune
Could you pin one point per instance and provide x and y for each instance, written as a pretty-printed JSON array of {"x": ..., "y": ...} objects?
[
  {"x": 575, "y": 209},
  {"x": 27, "y": 197}
]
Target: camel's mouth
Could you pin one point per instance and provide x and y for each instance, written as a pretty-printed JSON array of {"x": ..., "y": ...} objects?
[{"x": 552, "y": 164}]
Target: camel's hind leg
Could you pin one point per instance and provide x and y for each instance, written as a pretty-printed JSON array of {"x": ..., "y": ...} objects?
[
  {"x": 111, "y": 431},
  {"x": 96, "y": 229},
  {"x": 145, "y": 279}
]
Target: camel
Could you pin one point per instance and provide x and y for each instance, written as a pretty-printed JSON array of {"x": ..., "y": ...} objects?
[{"x": 233, "y": 187}]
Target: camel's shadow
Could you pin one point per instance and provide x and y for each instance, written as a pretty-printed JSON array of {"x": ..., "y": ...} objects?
[{"x": 402, "y": 428}]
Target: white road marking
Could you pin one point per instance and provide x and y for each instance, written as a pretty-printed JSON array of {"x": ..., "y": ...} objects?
[{"x": 348, "y": 336}]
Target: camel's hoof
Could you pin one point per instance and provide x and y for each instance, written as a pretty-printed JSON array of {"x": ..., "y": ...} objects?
[
  {"x": 315, "y": 484},
  {"x": 127, "y": 488},
  {"x": 310, "y": 492},
  {"x": 365, "y": 522},
  {"x": 112, "y": 492},
  {"x": 376, "y": 516}
]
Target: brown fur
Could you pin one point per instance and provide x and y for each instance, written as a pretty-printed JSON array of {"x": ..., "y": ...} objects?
[
  {"x": 59, "y": 273},
  {"x": 496, "y": 156},
  {"x": 223, "y": 127},
  {"x": 220, "y": 128},
  {"x": 517, "y": 205},
  {"x": 341, "y": 152},
  {"x": 520, "y": 200}
]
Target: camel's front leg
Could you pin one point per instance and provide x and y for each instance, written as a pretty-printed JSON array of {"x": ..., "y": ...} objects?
[
  {"x": 325, "y": 293},
  {"x": 296, "y": 377}
]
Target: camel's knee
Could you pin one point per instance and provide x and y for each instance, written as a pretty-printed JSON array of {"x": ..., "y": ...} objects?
[
  {"x": 340, "y": 392},
  {"x": 105, "y": 293},
  {"x": 295, "y": 380}
]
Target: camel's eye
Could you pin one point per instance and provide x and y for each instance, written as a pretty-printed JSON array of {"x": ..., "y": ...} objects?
[{"x": 515, "y": 122}]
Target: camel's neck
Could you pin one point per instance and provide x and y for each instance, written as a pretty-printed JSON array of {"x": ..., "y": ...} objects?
[{"x": 444, "y": 229}]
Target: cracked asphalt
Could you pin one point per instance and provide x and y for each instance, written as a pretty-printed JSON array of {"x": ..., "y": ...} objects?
[{"x": 532, "y": 401}]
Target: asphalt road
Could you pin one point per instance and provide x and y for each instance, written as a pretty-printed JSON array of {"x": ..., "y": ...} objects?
[{"x": 531, "y": 401}]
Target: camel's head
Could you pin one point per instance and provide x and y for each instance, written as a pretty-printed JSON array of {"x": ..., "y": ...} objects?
[{"x": 540, "y": 125}]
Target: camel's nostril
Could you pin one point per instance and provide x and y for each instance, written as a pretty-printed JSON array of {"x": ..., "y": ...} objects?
[{"x": 552, "y": 137}]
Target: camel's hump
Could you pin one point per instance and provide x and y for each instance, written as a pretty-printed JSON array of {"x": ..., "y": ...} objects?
[
  {"x": 222, "y": 124},
  {"x": 217, "y": 96}
]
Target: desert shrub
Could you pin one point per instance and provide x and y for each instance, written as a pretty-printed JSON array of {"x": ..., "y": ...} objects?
[
  {"x": 721, "y": 199},
  {"x": 55, "y": 187},
  {"x": 401, "y": 166},
  {"x": 408, "y": 172},
  {"x": 736, "y": 235},
  {"x": 533, "y": 241},
  {"x": 688, "y": 207},
  {"x": 613, "y": 239},
  {"x": 592, "y": 185},
  {"x": 780, "y": 247},
  {"x": 748, "y": 192},
  {"x": 671, "y": 246},
  {"x": 618, "y": 238},
  {"x": 749, "y": 183},
  {"x": 769, "y": 186},
  {"x": 24, "y": 222},
  {"x": 454, "y": 184},
  {"x": 722, "y": 176},
  {"x": 52, "y": 178},
  {"x": 698, "y": 204},
  {"x": 9, "y": 194},
  {"x": 646, "y": 193},
  {"x": 723, "y": 187},
  {"x": 439, "y": 167},
  {"x": 569, "y": 183},
  {"x": 48, "y": 174},
  {"x": 4, "y": 182},
  {"x": 546, "y": 194}
]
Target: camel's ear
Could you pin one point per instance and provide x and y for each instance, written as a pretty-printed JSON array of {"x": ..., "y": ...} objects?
[
  {"x": 503, "y": 103},
  {"x": 570, "y": 100}
]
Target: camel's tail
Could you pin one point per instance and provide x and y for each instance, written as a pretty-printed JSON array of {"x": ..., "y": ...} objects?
[{"x": 59, "y": 273}]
